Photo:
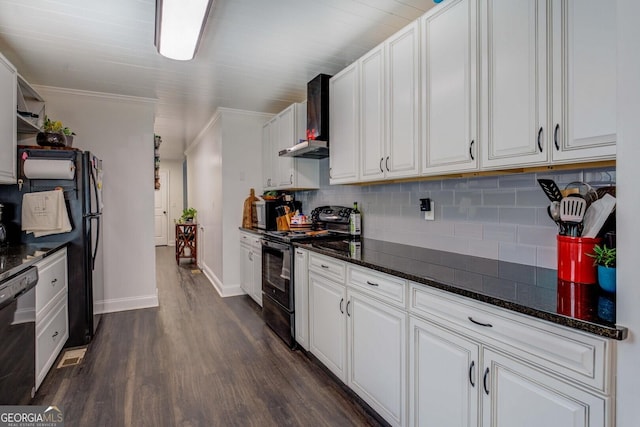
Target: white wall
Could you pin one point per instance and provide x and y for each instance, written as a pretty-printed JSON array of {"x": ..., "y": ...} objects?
[
  {"x": 223, "y": 162},
  {"x": 119, "y": 130},
  {"x": 176, "y": 193},
  {"x": 628, "y": 235}
]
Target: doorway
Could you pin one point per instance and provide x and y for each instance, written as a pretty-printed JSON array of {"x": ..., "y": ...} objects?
[{"x": 161, "y": 205}]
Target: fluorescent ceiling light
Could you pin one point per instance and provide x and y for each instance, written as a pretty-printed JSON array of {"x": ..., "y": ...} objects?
[{"x": 179, "y": 27}]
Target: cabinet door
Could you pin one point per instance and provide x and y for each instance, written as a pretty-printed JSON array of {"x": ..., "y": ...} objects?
[
  {"x": 286, "y": 138},
  {"x": 327, "y": 324},
  {"x": 449, "y": 87},
  {"x": 402, "y": 118},
  {"x": 584, "y": 79},
  {"x": 517, "y": 395},
  {"x": 372, "y": 143},
  {"x": 443, "y": 377},
  {"x": 246, "y": 270},
  {"x": 269, "y": 134},
  {"x": 256, "y": 291},
  {"x": 8, "y": 129},
  {"x": 301, "y": 295},
  {"x": 343, "y": 126},
  {"x": 514, "y": 93},
  {"x": 377, "y": 355}
]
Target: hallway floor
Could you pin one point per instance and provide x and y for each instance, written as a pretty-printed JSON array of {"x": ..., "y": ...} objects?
[{"x": 197, "y": 360}]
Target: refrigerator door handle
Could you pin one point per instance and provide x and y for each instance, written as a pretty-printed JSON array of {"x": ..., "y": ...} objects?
[{"x": 95, "y": 248}]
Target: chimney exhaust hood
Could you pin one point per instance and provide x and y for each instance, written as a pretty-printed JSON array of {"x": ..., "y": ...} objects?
[{"x": 317, "y": 144}]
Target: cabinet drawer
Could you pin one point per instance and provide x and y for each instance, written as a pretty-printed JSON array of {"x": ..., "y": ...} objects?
[
  {"x": 328, "y": 267},
  {"x": 52, "y": 279},
  {"x": 572, "y": 354},
  {"x": 390, "y": 289},
  {"x": 52, "y": 333}
]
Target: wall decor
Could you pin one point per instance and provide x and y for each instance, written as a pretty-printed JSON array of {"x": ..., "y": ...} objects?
[{"x": 157, "y": 140}]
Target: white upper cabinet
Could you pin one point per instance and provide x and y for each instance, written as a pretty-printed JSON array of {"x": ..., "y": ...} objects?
[
  {"x": 287, "y": 173},
  {"x": 584, "y": 80},
  {"x": 372, "y": 113},
  {"x": 449, "y": 88},
  {"x": 402, "y": 103},
  {"x": 343, "y": 126},
  {"x": 514, "y": 109},
  {"x": 8, "y": 135}
]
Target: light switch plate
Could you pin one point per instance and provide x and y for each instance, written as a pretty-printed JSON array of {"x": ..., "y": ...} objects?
[{"x": 430, "y": 214}]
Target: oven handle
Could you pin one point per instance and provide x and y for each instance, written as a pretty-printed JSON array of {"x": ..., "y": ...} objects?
[{"x": 274, "y": 245}]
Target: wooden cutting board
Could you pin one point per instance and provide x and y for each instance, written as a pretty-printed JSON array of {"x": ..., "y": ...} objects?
[{"x": 247, "y": 210}]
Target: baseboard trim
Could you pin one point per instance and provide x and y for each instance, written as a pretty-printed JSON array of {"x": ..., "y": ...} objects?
[
  {"x": 125, "y": 304},
  {"x": 223, "y": 291}
]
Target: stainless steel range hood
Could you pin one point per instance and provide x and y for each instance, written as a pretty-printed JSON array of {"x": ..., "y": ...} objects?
[
  {"x": 317, "y": 147},
  {"x": 312, "y": 149}
]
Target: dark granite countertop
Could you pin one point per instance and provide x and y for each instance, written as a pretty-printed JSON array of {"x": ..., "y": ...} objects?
[
  {"x": 521, "y": 288},
  {"x": 16, "y": 258},
  {"x": 257, "y": 231}
]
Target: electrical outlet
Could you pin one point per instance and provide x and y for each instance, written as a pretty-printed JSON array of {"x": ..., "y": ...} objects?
[{"x": 430, "y": 214}]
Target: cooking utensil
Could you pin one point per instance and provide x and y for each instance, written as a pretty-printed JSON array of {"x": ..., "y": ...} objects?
[
  {"x": 572, "y": 210},
  {"x": 551, "y": 189},
  {"x": 554, "y": 213},
  {"x": 582, "y": 188}
]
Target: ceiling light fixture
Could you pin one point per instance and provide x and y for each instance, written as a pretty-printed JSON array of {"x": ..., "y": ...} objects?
[{"x": 179, "y": 27}]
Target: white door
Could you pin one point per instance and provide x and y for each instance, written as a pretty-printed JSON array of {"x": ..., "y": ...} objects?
[
  {"x": 160, "y": 210},
  {"x": 514, "y": 394},
  {"x": 377, "y": 355},
  {"x": 402, "y": 118},
  {"x": 343, "y": 126},
  {"x": 327, "y": 324},
  {"x": 443, "y": 377},
  {"x": 514, "y": 86},
  {"x": 584, "y": 79},
  {"x": 449, "y": 87}
]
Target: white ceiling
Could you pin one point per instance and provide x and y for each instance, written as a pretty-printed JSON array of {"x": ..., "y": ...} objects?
[{"x": 255, "y": 55}]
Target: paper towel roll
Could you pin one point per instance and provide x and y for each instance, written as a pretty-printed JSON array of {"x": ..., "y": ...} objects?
[{"x": 49, "y": 169}]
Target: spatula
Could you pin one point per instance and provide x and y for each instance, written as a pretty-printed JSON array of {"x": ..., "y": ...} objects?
[
  {"x": 551, "y": 189},
  {"x": 572, "y": 209}
]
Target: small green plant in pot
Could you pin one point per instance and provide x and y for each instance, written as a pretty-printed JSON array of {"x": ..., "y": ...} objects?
[
  {"x": 605, "y": 259},
  {"x": 188, "y": 215}
]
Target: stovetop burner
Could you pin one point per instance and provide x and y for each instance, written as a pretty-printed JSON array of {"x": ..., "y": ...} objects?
[{"x": 290, "y": 236}]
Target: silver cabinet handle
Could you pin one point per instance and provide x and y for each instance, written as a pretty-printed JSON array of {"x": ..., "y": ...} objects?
[{"x": 372, "y": 284}]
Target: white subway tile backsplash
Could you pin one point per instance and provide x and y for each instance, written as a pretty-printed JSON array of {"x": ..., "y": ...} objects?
[
  {"x": 500, "y": 217},
  {"x": 517, "y": 253},
  {"x": 524, "y": 216},
  {"x": 499, "y": 233}
]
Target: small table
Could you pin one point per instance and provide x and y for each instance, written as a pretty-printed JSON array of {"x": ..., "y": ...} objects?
[{"x": 187, "y": 238}]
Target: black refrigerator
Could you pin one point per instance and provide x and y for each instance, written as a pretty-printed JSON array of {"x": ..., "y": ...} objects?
[{"x": 83, "y": 199}]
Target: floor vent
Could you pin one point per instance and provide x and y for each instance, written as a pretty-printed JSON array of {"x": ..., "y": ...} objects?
[
  {"x": 196, "y": 271},
  {"x": 72, "y": 357}
]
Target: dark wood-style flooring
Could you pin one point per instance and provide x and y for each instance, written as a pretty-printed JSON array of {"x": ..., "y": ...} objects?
[{"x": 197, "y": 360}]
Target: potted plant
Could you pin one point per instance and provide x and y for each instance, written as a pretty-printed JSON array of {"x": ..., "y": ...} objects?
[
  {"x": 54, "y": 134},
  {"x": 188, "y": 215},
  {"x": 605, "y": 258}
]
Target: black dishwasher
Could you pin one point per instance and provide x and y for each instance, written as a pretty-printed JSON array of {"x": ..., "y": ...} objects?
[{"x": 18, "y": 338}]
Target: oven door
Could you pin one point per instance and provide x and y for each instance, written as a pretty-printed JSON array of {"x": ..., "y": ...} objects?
[{"x": 277, "y": 272}]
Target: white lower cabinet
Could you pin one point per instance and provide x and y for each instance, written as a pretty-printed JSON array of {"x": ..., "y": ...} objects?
[
  {"x": 251, "y": 266},
  {"x": 443, "y": 377},
  {"x": 52, "y": 318},
  {"x": 376, "y": 350}
]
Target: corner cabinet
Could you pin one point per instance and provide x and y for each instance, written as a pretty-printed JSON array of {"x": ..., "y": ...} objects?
[
  {"x": 287, "y": 173},
  {"x": 450, "y": 88},
  {"x": 8, "y": 130},
  {"x": 52, "y": 318}
]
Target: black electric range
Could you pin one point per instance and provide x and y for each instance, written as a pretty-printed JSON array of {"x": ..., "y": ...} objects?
[{"x": 330, "y": 223}]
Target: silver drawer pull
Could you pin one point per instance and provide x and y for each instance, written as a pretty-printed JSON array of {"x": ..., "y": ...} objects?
[
  {"x": 372, "y": 284},
  {"x": 488, "y": 325},
  {"x": 324, "y": 266}
]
